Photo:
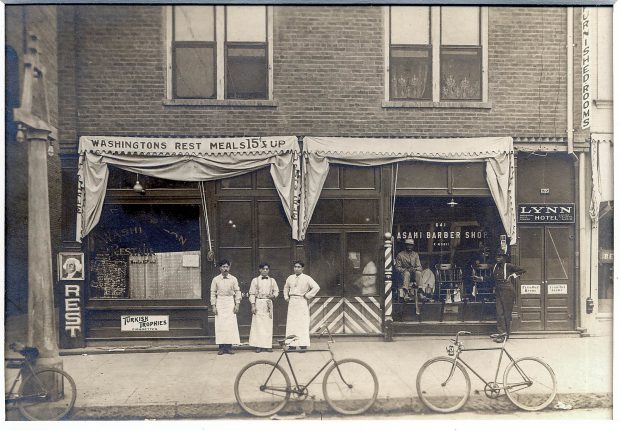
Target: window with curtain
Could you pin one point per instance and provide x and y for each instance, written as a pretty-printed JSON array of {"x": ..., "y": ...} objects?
[
  {"x": 461, "y": 53},
  {"x": 410, "y": 53},
  {"x": 435, "y": 53}
]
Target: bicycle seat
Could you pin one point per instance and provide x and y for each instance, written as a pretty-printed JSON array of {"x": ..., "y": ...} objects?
[
  {"x": 28, "y": 352},
  {"x": 288, "y": 340}
]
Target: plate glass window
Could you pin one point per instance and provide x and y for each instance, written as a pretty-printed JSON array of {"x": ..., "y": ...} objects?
[
  {"x": 193, "y": 52},
  {"x": 246, "y": 52}
]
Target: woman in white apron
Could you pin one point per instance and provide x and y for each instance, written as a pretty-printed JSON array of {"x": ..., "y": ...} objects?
[
  {"x": 263, "y": 290},
  {"x": 225, "y": 299},
  {"x": 299, "y": 288}
]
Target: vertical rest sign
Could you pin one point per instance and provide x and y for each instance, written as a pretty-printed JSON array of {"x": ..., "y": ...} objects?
[{"x": 586, "y": 91}]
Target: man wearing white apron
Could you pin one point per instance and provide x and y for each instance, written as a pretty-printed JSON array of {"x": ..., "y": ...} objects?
[
  {"x": 263, "y": 290},
  {"x": 298, "y": 289},
  {"x": 225, "y": 299}
]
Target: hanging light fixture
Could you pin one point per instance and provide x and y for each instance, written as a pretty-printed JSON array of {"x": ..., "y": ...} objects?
[
  {"x": 452, "y": 203},
  {"x": 137, "y": 187}
]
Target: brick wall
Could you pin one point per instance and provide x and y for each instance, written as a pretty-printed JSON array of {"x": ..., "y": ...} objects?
[{"x": 328, "y": 78}]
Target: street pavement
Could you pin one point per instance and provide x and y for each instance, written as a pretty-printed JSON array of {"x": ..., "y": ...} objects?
[{"x": 193, "y": 382}]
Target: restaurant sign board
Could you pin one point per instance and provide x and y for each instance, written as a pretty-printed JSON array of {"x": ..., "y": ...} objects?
[{"x": 546, "y": 213}]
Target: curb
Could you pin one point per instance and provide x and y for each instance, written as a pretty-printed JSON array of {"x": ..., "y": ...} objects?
[{"x": 409, "y": 405}]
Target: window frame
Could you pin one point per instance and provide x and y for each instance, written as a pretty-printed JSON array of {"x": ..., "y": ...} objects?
[
  {"x": 220, "y": 62},
  {"x": 435, "y": 44}
]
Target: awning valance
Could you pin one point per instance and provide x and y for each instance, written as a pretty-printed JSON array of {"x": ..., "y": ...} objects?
[
  {"x": 601, "y": 156},
  {"x": 184, "y": 159},
  {"x": 496, "y": 153}
]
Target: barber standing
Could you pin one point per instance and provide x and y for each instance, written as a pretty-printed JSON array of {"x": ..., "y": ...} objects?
[
  {"x": 505, "y": 295},
  {"x": 225, "y": 299},
  {"x": 298, "y": 289}
]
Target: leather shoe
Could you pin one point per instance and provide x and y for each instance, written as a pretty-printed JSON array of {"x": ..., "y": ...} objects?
[
  {"x": 258, "y": 350},
  {"x": 220, "y": 352},
  {"x": 230, "y": 352}
]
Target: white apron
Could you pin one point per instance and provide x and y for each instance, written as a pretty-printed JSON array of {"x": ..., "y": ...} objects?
[
  {"x": 298, "y": 320},
  {"x": 226, "y": 329},
  {"x": 261, "y": 333}
]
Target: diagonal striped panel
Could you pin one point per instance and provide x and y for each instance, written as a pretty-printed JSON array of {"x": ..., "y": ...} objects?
[
  {"x": 366, "y": 317},
  {"x": 325, "y": 310}
]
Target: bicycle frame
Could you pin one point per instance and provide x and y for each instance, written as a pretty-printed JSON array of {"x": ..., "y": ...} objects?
[
  {"x": 25, "y": 368},
  {"x": 457, "y": 358},
  {"x": 299, "y": 389}
]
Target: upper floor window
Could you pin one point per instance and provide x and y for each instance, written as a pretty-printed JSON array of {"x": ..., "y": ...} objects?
[
  {"x": 437, "y": 53},
  {"x": 219, "y": 52}
]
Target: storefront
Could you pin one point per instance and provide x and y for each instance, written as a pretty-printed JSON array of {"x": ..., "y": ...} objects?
[
  {"x": 153, "y": 217},
  {"x": 154, "y": 222},
  {"x": 453, "y": 197}
]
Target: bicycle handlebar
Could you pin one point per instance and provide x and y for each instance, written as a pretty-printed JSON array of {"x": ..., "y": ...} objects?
[
  {"x": 459, "y": 334},
  {"x": 329, "y": 334}
]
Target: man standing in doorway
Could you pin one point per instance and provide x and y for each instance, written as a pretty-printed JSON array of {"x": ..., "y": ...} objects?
[
  {"x": 263, "y": 290},
  {"x": 505, "y": 295},
  {"x": 225, "y": 299},
  {"x": 298, "y": 289},
  {"x": 408, "y": 262}
]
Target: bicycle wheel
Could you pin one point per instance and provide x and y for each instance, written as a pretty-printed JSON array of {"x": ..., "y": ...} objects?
[
  {"x": 262, "y": 388},
  {"x": 438, "y": 392},
  {"x": 530, "y": 384},
  {"x": 350, "y": 386},
  {"x": 47, "y": 395}
]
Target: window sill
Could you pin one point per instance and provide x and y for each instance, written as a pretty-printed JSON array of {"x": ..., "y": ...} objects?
[
  {"x": 251, "y": 103},
  {"x": 429, "y": 104}
]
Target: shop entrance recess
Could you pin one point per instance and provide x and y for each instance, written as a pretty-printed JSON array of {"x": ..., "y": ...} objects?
[
  {"x": 546, "y": 292},
  {"x": 345, "y": 265}
]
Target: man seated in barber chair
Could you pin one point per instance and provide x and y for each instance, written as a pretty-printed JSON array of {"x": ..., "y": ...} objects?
[{"x": 409, "y": 267}]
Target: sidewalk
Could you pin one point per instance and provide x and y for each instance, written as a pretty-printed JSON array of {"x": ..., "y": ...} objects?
[{"x": 199, "y": 383}]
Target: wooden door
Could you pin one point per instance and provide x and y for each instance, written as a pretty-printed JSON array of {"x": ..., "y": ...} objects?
[{"x": 546, "y": 292}]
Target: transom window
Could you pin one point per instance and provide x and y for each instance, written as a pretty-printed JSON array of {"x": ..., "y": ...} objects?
[
  {"x": 437, "y": 53},
  {"x": 219, "y": 52}
]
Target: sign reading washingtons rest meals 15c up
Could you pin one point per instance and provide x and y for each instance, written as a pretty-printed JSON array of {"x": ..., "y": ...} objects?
[{"x": 546, "y": 213}]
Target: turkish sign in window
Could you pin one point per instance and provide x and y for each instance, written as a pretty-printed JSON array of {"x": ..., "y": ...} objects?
[{"x": 142, "y": 323}]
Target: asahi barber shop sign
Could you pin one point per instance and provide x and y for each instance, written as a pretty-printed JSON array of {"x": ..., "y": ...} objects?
[{"x": 546, "y": 213}]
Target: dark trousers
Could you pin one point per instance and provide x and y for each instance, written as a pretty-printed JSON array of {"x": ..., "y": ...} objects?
[
  {"x": 225, "y": 347},
  {"x": 504, "y": 302}
]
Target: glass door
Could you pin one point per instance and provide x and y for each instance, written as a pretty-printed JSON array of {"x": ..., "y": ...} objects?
[
  {"x": 546, "y": 291},
  {"x": 345, "y": 265}
]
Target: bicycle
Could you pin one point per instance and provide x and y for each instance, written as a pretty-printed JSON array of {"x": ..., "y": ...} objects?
[
  {"x": 263, "y": 387},
  {"x": 44, "y": 393},
  {"x": 443, "y": 383}
]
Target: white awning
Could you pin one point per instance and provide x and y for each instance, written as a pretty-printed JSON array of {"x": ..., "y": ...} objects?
[
  {"x": 602, "y": 158},
  {"x": 496, "y": 152},
  {"x": 184, "y": 159}
]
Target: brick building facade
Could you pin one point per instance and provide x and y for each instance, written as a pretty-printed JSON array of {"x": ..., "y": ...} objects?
[{"x": 329, "y": 73}]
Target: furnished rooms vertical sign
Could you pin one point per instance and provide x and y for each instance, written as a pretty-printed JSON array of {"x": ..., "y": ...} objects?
[{"x": 586, "y": 91}]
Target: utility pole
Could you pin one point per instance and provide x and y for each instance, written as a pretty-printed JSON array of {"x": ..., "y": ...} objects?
[{"x": 37, "y": 134}]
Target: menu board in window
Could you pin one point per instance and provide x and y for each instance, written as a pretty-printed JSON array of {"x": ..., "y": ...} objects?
[{"x": 146, "y": 252}]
